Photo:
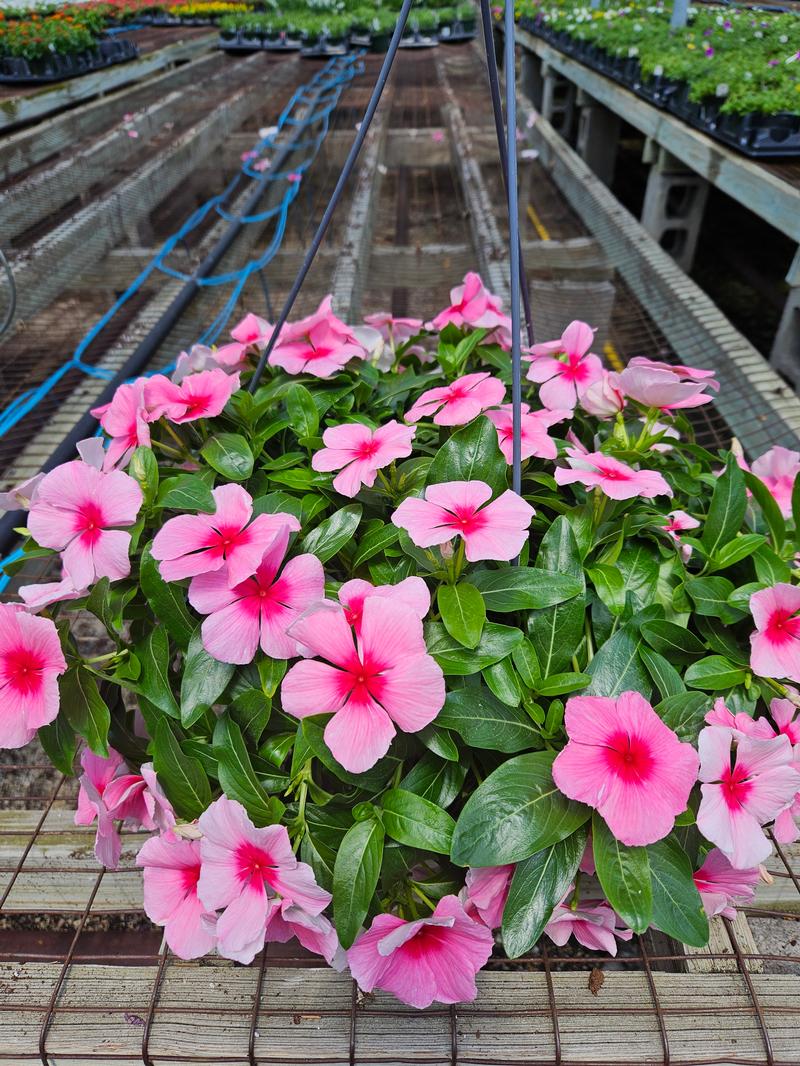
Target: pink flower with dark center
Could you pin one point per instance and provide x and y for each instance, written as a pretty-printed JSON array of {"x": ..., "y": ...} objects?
[
  {"x": 778, "y": 469},
  {"x": 314, "y": 931},
  {"x": 679, "y": 522},
  {"x": 412, "y": 592},
  {"x": 750, "y": 727},
  {"x": 30, "y": 663},
  {"x": 485, "y": 893},
  {"x": 76, "y": 511},
  {"x": 257, "y": 611},
  {"x": 533, "y": 431},
  {"x": 721, "y": 886},
  {"x": 775, "y": 645},
  {"x": 668, "y": 387},
  {"x": 616, "y": 479},
  {"x": 320, "y": 344},
  {"x": 593, "y": 923},
  {"x": 35, "y": 597},
  {"x": 431, "y": 959},
  {"x": 386, "y": 680},
  {"x": 188, "y": 545},
  {"x": 746, "y": 783},
  {"x": 360, "y": 452},
  {"x": 603, "y": 398},
  {"x": 247, "y": 871},
  {"x": 171, "y": 873},
  {"x": 125, "y": 420},
  {"x": 472, "y": 305},
  {"x": 202, "y": 395},
  {"x": 784, "y": 715},
  {"x": 395, "y": 331},
  {"x": 199, "y": 357},
  {"x": 497, "y": 530},
  {"x": 249, "y": 335},
  {"x": 565, "y": 368},
  {"x": 460, "y": 402},
  {"x": 22, "y": 495},
  {"x": 625, "y": 762}
]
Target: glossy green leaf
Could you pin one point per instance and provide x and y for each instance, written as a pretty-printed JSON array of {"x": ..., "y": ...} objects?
[
  {"x": 182, "y": 777},
  {"x": 664, "y": 675},
  {"x": 463, "y": 612},
  {"x": 412, "y": 820},
  {"x": 331, "y": 535},
  {"x": 229, "y": 454},
  {"x": 624, "y": 874},
  {"x": 713, "y": 673},
  {"x": 85, "y": 709},
  {"x": 435, "y": 779},
  {"x": 672, "y": 641},
  {"x": 617, "y": 667},
  {"x": 167, "y": 601},
  {"x": 204, "y": 680},
  {"x": 355, "y": 877},
  {"x": 188, "y": 492},
  {"x": 484, "y": 722},
  {"x": 455, "y": 660},
  {"x": 677, "y": 906},
  {"x": 556, "y": 631},
  {"x": 237, "y": 776},
  {"x": 684, "y": 713},
  {"x": 524, "y": 588},
  {"x": 726, "y": 512},
  {"x": 470, "y": 454},
  {"x": 302, "y": 411}
]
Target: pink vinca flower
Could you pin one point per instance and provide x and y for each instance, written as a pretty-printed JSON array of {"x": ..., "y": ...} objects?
[
  {"x": 485, "y": 893},
  {"x": 125, "y": 419},
  {"x": 77, "y": 511},
  {"x": 603, "y": 398},
  {"x": 593, "y": 923},
  {"x": 257, "y": 611},
  {"x": 459, "y": 403},
  {"x": 533, "y": 431},
  {"x": 679, "y": 522},
  {"x": 497, "y": 530},
  {"x": 616, "y": 479},
  {"x": 35, "y": 597},
  {"x": 670, "y": 388},
  {"x": 430, "y": 960},
  {"x": 359, "y": 452},
  {"x": 750, "y": 727},
  {"x": 784, "y": 714},
  {"x": 199, "y": 357},
  {"x": 314, "y": 931},
  {"x": 171, "y": 873},
  {"x": 21, "y": 496},
  {"x": 625, "y": 762},
  {"x": 202, "y": 395},
  {"x": 387, "y": 680},
  {"x": 246, "y": 870},
  {"x": 395, "y": 331},
  {"x": 775, "y": 645},
  {"x": 188, "y": 545},
  {"x": 412, "y": 592},
  {"x": 320, "y": 344},
  {"x": 565, "y": 368},
  {"x": 778, "y": 469},
  {"x": 472, "y": 305},
  {"x": 249, "y": 335},
  {"x": 30, "y": 663},
  {"x": 746, "y": 783},
  {"x": 721, "y": 886}
]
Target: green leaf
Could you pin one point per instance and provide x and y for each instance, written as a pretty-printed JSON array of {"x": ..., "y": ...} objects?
[
  {"x": 737, "y": 549},
  {"x": 770, "y": 568},
  {"x": 153, "y": 682},
  {"x": 769, "y": 508},
  {"x": 229, "y": 454},
  {"x": 796, "y": 510},
  {"x": 560, "y": 684},
  {"x": 58, "y": 741},
  {"x": 271, "y": 672},
  {"x": 524, "y": 587},
  {"x": 143, "y": 467},
  {"x": 417, "y": 822},
  {"x": 182, "y": 777},
  {"x": 377, "y": 540},
  {"x": 684, "y": 713},
  {"x": 677, "y": 906},
  {"x": 302, "y": 411},
  {"x": 188, "y": 492},
  {"x": 355, "y": 877},
  {"x": 203, "y": 682},
  {"x": 714, "y": 672},
  {"x": 435, "y": 779},
  {"x": 617, "y": 667},
  {"x": 331, "y": 535},
  {"x": 463, "y": 612},
  {"x": 624, "y": 874},
  {"x": 638, "y": 565},
  {"x": 727, "y": 509},
  {"x": 485, "y": 723},
  {"x": 557, "y": 631},
  {"x": 167, "y": 601},
  {"x": 471, "y": 453},
  {"x": 503, "y": 681},
  {"x": 526, "y": 663},
  {"x": 665, "y": 677},
  {"x": 538, "y": 885},
  {"x": 251, "y": 711},
  {"x": 313, "y": 729},
  {"x": 610, "y": 587},
  {"x": 710, "y": 595},
  {"x": 515, "y": 812},
  {"x": 674, "y": 642},
  {"x": 85, "y": 708},
  {"x": 237, "y": 776},
  {"x": 496, "y": 642},
  {"x": 439, "y": 741}
]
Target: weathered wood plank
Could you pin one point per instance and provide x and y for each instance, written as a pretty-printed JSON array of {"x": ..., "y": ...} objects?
[
  {"x": 52, "y": 98},
  {"x": 203, "y": 1011},
  {"x": 747, "y": 181},
  {"x": 720, "y": 943}
]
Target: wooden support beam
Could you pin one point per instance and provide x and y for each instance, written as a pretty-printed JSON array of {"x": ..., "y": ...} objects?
[{"x": 27, "y": 147}]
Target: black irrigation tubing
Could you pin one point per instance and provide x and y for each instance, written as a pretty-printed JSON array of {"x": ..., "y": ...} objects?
[
  {"x": 352, "y": 155},
  {"x": 497, "y": 109},
  {"x": 147, "y": 348}
]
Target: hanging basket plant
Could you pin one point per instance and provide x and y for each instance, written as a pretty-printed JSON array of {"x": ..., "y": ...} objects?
[{"x": 363, "y": 694}]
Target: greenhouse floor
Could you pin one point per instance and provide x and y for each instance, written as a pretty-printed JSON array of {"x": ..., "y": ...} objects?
[{"x": 78, "y": 963}]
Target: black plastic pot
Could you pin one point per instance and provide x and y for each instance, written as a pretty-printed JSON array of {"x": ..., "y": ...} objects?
[{"x": 19, "y": 71}]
